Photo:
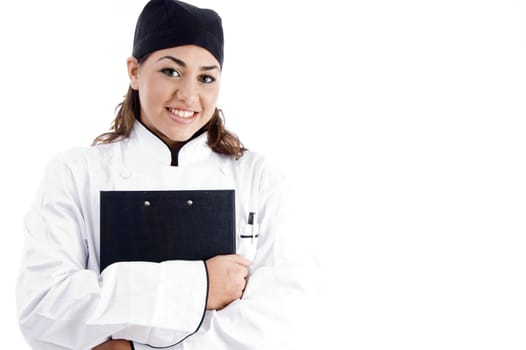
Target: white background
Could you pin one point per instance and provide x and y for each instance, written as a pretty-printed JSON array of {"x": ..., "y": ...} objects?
[{"x": 401, "y": 123}]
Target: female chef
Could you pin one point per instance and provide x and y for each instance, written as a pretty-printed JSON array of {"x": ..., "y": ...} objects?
[{"x": 168, "y": 135}]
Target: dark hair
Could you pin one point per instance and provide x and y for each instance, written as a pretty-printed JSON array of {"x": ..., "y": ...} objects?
[{"x": 220, "y": 140}]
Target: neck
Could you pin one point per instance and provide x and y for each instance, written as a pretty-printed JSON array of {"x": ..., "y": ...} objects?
[{"x": 175, "y": 146}]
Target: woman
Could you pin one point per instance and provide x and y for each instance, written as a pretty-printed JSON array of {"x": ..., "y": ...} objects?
[{"x": 167, "y": 135}]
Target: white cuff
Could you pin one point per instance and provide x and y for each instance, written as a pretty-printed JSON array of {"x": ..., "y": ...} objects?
[{"x": 161, "y": 304}]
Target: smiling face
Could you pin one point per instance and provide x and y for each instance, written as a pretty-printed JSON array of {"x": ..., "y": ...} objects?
[{"x": 178, "y": 89}]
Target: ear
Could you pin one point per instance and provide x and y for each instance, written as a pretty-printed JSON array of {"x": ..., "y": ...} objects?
[{"x": 133, "y": 70}]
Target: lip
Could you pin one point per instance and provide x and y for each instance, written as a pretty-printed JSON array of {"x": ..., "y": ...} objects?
[{"x": 179, "y": 119}]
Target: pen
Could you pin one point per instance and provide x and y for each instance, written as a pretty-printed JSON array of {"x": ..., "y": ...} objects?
[{"x": 251, "y": 222}]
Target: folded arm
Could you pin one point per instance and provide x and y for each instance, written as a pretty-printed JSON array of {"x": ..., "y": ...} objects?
[{"x": 63, "y": 305}]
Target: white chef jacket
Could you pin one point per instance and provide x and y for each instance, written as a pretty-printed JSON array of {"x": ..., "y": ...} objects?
[{"x": 64, "y": 302}]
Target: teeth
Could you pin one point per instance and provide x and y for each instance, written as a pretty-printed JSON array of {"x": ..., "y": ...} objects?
[{"x": 180, "y": 113}]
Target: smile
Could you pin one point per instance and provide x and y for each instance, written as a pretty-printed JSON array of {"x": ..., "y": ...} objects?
[{"x": 181, "y": 113}]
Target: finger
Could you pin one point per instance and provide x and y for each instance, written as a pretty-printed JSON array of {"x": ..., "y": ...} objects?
[
  {"x": 245, "y": 273},
  {"x": 243, "y": 290},
  {"x": 242, "y": 261},
  {"x": 244, "y": 287}
]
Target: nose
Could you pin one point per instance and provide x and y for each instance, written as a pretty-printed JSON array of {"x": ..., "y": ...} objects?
[{"x": 187, "y": 90}]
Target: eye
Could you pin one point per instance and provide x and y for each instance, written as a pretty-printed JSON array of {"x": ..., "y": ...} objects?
[
  {"x": 171, "y": 72},
  {"x": 207, "y": 79}
]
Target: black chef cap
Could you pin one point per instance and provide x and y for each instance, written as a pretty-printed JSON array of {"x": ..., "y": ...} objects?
[{"x": 168, "y": 23}]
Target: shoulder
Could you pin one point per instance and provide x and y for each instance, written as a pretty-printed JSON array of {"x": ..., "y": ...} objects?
[
  {"x": 76, "y": 156},
  {"x": 78, "y": 161},
  {"x": 67, "y": 158}
]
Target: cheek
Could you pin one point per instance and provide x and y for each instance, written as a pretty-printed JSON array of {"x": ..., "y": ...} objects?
[
  {"x": 210, "y": 99},
  {"x": 150, "y": 93}
]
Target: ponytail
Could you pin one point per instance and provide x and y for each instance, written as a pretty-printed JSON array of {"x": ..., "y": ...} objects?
[
  {"x": 222, "y": 141},
  {"x": 128, "y": 111}
]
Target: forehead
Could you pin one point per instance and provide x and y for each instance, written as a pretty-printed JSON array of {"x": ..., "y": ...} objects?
[{"x": 191, "y": 55}]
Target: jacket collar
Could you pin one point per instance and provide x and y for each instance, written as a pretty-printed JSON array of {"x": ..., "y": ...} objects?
[{"x": 144, "y": 148}]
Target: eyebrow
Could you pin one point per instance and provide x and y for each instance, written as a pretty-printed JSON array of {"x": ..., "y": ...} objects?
[{"x": 183, "y": 64}]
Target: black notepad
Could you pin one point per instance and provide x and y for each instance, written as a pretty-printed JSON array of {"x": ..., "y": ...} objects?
[{"x": 157, "y": 226}]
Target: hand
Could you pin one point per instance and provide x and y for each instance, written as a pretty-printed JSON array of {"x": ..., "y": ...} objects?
[
  {"x": 227, "y": 279},
  {"x": 114, "y": 345}
]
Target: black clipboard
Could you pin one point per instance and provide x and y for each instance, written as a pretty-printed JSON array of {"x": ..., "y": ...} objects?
[{"x": 157, "y": 226}]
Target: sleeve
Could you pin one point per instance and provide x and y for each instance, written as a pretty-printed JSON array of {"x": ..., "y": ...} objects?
[
  {"x": 280, "y": 307},
  {"x": 63, "y": 305}
]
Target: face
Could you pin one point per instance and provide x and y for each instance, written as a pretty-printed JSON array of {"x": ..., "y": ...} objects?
[{"x": 178, "y": 89}]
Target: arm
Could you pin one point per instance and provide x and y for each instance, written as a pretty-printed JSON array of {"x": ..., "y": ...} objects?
[
  {"x": 64, "y": 305},
  {"x": 278, "y": 309},
  {"x": 227, "y": 276}
]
